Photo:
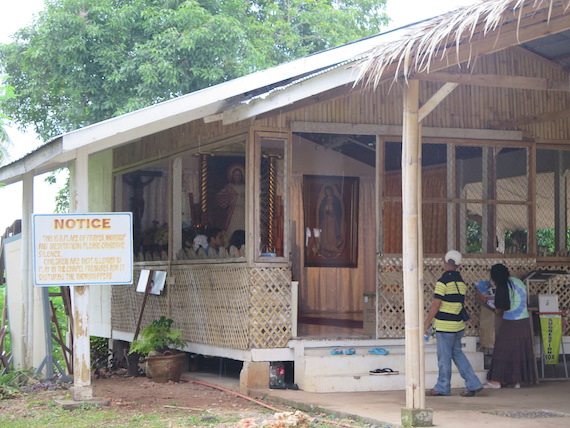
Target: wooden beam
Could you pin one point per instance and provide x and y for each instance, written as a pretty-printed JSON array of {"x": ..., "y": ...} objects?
[
  {"x": 529, "y": 119},
  {"x": 497, "y": 81},
  {"x": 396, "y": 130},
  {"x": 436, "y": 99}
]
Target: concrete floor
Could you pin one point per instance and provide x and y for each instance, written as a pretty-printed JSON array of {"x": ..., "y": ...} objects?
[{"x": 490, "y": 408}]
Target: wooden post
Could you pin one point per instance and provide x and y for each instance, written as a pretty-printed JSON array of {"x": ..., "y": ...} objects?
[
  {"x": 27, "y": 274},
  {"x": 410, "y": 244},
  {"x": 82, "y": 389},
  {"x": 413, "y": 414},
  {"x": 421, "y": 312}
]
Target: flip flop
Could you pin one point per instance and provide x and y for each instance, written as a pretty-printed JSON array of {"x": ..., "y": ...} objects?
[
  {"x": 336, "y": 351},
  {"x": 378, "y": 351},
  {"x": 350, "y": 351},
  {"x": 490, "y": 385},
  {"x": 386, "y": 371},
  {"x": 434, "y": 393}
]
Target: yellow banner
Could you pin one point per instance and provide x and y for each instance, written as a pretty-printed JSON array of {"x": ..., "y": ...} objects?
[{"x": 551, "y": 329}]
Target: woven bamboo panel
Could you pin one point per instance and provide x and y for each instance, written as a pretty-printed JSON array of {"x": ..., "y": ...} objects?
[
  {"x": 270, "y": 310},
  {"x": 390, "y": 294},
  {"x": 228, "y": 306}
]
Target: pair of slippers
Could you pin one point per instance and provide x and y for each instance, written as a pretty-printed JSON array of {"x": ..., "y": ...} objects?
[
  {"x": 386, "y": 371},
  {"x": 378, "y": 351},
  {"x": 338, "y": 351}
]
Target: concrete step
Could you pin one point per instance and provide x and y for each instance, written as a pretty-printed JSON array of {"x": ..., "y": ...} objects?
[
  {"x": 316, "y": 370},
  {"x": 366, "y": 382},
  {"x": 363, "y": 362}
]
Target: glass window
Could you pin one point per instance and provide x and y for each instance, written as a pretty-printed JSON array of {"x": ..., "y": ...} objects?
[
  {"x": 271, "y": 202},
  {"x": 552, "y": 233},
  {"x": 213, "y": 202},
  {"x": 476, "y": 202},
  {"x": 145, "y": 194}
]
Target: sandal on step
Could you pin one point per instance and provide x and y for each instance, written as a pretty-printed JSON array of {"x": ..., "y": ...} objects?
[
  {"x": 336, "y": 351},
  {"x": 350, "y": 351},
  {"x": 386, "y": 371},
  {"x": 378, "y": 351}
]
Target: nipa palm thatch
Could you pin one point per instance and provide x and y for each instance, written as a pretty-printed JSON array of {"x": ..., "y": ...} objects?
[{"x": 444, "y": 37}]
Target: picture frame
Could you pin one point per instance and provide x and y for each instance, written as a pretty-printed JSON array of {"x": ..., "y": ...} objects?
[{"x": 330, "y": 205}]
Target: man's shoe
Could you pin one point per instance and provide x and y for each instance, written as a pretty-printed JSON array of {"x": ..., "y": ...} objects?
[{"x": 471, "y": 393}]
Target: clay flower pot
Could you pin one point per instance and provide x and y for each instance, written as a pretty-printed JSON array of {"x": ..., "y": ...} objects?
[{"x": 163, "y": 368}]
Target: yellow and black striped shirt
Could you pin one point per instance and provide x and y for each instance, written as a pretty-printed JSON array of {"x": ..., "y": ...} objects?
[{"x": 450, "y": 289}]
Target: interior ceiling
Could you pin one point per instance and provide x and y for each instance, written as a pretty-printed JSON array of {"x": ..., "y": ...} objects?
[{"x": 555, "y": 47}]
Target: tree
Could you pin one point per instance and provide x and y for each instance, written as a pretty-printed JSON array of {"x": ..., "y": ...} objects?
[
  {"x": 83, "y": 61},
  {"x": 6, "y": 93}
]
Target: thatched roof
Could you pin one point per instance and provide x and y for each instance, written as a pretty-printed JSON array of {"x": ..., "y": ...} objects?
[{"x": 449, "y": 39}]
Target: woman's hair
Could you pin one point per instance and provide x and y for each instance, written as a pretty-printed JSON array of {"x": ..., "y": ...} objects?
[
  {"x": 237, "y": 239},
  {"x": 500, "y": 276}
]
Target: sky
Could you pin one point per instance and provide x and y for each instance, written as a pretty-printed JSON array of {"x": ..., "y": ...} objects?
[{"x": 19, "y": 14}]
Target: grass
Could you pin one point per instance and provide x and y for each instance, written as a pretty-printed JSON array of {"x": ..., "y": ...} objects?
[{"x": 45, "y": 413}]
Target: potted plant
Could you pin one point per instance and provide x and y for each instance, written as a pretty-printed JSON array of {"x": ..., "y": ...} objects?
[{"x": 158, "y": 341}]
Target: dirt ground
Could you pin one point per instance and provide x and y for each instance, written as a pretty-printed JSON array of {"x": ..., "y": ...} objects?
[
  {"x": 134, "y": 396},
  {"x": 140, "y": 394}
]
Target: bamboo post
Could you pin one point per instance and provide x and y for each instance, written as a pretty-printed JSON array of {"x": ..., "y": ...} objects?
[
  {"x": 412, "y": 415},
  {"x": 410, "y": 244},
  {"x": 421, "y": 314}
]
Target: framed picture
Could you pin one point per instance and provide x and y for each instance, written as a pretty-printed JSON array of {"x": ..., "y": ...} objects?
[{"x": 331, "y": 221}]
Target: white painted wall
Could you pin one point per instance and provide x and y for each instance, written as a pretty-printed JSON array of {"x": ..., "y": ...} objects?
[{"x": 100, "y": 200}]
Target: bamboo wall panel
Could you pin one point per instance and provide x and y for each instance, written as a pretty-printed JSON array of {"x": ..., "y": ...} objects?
[
  {"x": 227, "y": 306},
  {"x": 165, "y": 143},
  {"x": 390, "y": 295},
  {"x": 467, "y": 106}
]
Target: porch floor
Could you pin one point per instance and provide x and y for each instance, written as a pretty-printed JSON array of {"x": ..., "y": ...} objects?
[
  {"x": 502, "y": 408},
  {"x": 330, "y": 325}
]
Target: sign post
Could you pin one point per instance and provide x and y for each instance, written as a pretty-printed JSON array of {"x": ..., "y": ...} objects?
[{"x": 79, "y": 250}]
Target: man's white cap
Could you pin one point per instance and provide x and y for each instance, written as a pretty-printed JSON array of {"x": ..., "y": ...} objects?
[{"x": 455, "y": 256}]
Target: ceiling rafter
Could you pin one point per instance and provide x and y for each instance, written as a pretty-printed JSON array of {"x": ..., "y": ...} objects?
[
  {"x": 497, "y": 81},
  {"x": 530, "y": 119}
]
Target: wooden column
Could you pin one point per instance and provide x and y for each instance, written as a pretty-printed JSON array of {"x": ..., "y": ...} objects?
[
  {"x": 27, "y": 274},
  {"x": 421, "y": 311},
  {"x": 410, "y": 210},
  {"x": 414, "y": 413},
  {"x": 82, "y": 389}
]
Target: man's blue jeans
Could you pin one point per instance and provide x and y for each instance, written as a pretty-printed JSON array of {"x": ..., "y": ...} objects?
[{"x": 449, "y": 349}]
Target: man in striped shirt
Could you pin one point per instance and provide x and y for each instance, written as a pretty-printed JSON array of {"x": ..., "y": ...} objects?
[{"x": 445, "y": 312}]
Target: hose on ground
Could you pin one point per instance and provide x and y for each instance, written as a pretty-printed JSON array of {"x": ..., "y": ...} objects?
[{"x": 261, "y": 403}]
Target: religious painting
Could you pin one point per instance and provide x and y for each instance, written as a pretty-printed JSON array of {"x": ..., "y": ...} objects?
[
  {"x": 226, "y": 193},
  {"x": 330, "y": 206}
]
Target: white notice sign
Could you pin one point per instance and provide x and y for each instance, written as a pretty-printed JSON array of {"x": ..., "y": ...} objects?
[{"x": 82, "y": 249}]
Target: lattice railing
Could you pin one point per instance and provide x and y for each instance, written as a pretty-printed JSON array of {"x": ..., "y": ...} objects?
[
  {"x": 270, "y": 309},
  {"x": 390, "y": 295},
  {"x": 228, "y": 306}
]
